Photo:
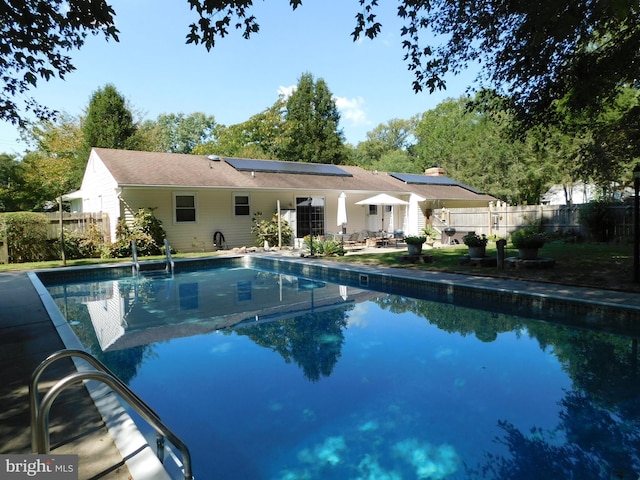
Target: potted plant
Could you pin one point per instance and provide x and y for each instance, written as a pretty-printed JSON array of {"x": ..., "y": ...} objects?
[
  {"x": 528, "y": 241},
  {"x": 477, "y": 244},
  {"x": 431, "y": 233},
  {"x": 414, "y": 244}
]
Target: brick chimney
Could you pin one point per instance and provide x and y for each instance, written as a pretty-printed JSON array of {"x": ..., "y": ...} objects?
[{"x": 435, "y": 172}]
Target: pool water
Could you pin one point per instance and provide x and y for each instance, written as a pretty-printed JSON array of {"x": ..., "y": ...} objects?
[{"x": 267, "y": 376}]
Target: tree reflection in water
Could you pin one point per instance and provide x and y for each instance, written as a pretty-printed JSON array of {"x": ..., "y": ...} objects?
[
  {"x": 313, "y": 341},
  {"x": 598, "y": 434}
]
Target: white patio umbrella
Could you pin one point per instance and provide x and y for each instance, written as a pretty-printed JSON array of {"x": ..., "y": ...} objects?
[
  {"x": 343, "y": 292},
  {"x": 382, "y": 199},
  {"x": 342, "y": 210}
]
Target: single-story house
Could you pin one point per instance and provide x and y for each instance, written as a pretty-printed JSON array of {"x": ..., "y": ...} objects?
[{"x": 195, "y": 196}]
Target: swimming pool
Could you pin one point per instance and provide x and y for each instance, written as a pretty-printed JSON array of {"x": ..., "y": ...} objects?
[{"x": 269, "y": 375}]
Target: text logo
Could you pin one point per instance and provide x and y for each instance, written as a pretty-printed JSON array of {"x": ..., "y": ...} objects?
[{"x": 50, "y": 467}]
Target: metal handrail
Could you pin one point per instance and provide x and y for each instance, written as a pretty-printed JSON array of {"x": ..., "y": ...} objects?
[
  {"x": 135, "y": 268},
  {"x": 40, "y": 410},
  {"x": 170, "y": 262},
  {"x": 34, "y": 393}
]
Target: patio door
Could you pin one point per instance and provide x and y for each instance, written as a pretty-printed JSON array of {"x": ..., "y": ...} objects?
[{"x": 309, "y": 216}]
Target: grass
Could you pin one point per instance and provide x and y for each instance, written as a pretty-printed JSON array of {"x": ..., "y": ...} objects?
[
  {"x": 94, "y": 261},
  {"x": 603, "y": 266}
]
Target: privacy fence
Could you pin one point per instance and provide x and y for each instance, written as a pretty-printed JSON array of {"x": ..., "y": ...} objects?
[
  {"x": 32, "y": 235},
  {"x": 501, "y": 219},
  {"x": 78, "y": 223}
]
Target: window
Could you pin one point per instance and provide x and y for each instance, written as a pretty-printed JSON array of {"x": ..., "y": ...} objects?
[
  {"x": 241, "y": 205},
  {"x": 188, "y": 294},
  {"x": 244, "y": 290},
  {"x": 185, "y": 208},
  {"x": 309, "y": 216},
  {"x": 373, "y": 209}
]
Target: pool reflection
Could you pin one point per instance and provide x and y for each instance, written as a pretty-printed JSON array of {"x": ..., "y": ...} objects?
[{"x": 474, "y": 397}]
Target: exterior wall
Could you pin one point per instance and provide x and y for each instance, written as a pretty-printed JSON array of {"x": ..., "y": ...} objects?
[
  {"x": 100, "y": 194},
  {"x": 215, "y": 212}
]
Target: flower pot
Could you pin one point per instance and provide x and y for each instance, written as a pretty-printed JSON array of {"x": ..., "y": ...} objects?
[
  {"x": 477, "y": 252},
  {"x": 414, "y": 249},
  {"x": 528, "y": 253}
]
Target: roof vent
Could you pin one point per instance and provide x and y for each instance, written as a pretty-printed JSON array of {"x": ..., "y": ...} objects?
[
  {"x": 214, "y": 158},
  {"x": 435, "y": 172}
]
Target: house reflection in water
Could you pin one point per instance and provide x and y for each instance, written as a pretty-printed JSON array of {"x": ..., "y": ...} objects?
[{"x": 147, "y": 309}]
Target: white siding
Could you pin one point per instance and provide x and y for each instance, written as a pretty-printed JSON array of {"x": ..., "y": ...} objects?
[
  {"x": 99, "y": 190},
  {"x": 215, "y": 212}
]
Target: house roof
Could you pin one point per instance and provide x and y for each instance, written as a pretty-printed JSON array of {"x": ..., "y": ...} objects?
[{"x": 153, "y": 169}]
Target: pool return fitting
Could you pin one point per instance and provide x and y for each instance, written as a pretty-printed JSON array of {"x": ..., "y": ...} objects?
[{"x": 40, "y": 410}]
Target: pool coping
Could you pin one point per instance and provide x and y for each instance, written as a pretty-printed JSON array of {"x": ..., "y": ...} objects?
[
  {"x": 622, "y": 309},
  {"x": 139, "y": 457},
  {"x": 597, "y": 309}
]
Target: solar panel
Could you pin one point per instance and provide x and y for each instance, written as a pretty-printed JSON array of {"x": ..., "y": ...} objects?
[
  {"x": 417, "y": 179},
  {"x": 276, "y": 166}
]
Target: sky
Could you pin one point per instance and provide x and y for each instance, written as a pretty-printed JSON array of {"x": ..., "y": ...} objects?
[{"x": 153, "y": 68}]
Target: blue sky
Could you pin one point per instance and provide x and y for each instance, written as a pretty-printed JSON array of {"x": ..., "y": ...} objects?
[{"x": 158, "y": 73}]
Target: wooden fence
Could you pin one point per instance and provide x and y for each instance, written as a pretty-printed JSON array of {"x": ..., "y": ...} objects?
[
  {"x": 78, "y": 222},
  {"x": 500, "y": 219}
]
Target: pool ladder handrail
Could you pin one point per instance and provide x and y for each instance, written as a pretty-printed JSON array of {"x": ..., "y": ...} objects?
[
  {"x": 135, "y": 268},
  {"x": 170, "y": 262},
  {"x": 40, "y": 410}
]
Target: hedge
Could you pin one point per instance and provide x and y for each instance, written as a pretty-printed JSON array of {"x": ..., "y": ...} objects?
[{"x": 26, "y": 236}]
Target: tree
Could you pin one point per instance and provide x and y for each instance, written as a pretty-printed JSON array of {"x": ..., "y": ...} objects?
[
  {"x": 10, "y": 182},
  {"x": 109, "y": 122},
  {"x": 393, "y": 140},
  {"x": 45, "y": 178},
  {"x": 537, "y": 52},
  {"x": 262, "y": 136},
  {"x": 396, "y": 134},
  {"x": 35, "y": 36},
  {"x": 180, "y": 134},
  {"x": 474, "y": 146},
  {"x": 311, "y": 121},
  {"x": 61, "y": 138},
  {"x": 610, "y": 139}
]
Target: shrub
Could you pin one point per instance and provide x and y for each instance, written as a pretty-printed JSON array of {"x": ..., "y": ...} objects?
[
  {"x": 268, "y": 230},
  {"x": 473, "y": 240},
  {"x": 595, "y": 217},
  {"x": 324, "y": 246},
  {"x": 415, "y": 240},
  {"x": 146, "y": 230},
  {"x": 26, "y": 236},
  {"x": 528, "y": 238},
  {"x": 431, "y": 232},
  {"x": 88, "y": 244}
]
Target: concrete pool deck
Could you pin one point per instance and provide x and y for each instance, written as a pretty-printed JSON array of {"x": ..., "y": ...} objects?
[{"x": 28, "y": 335}]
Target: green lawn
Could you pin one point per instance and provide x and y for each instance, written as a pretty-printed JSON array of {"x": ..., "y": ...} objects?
[
  {"x": 592, "y": 264},
  {"x": 94, "y": 261}
]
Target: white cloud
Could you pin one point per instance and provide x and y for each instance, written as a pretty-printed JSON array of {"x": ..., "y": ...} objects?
[
  {"x": 352, "y": 109},
  {"x": 286, "y": 92}
]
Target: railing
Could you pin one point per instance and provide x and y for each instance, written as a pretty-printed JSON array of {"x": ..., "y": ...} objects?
[
  {"x": 40, "y": 442},
  {"x": 170, "y": 262},
  {"x": 135, "y": 268}
]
